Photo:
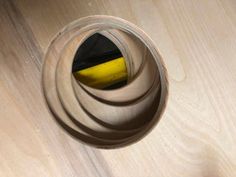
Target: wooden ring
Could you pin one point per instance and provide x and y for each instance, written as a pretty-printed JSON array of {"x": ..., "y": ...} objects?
[{"x": 49, "y": 89}]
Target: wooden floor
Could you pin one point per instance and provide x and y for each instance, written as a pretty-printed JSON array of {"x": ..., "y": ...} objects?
[{"x": 196, "y": 136}]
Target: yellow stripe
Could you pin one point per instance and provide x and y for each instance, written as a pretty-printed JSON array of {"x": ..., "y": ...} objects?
[{"x": 103, "y": 75}]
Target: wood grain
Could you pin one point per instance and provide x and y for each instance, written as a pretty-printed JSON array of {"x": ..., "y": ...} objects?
[
  {"x": 140, "y": 116},
  {"x": 195, "y": 137}
]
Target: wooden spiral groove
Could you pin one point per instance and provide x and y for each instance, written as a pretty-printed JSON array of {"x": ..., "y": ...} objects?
[{"x": 105, "y": 118}]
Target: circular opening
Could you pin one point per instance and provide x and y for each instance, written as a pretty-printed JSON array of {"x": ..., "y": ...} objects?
[
  {"x": 80, "y": 109},
  {"x": 99, "y": 63}
]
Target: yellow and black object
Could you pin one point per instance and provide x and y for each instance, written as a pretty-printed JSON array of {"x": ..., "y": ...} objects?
[{"x": 99, "y": 63}]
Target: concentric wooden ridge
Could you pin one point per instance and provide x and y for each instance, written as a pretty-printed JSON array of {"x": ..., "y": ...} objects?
[{"x": 105, "y": 119}]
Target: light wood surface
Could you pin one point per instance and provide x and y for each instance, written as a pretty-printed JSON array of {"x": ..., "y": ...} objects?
[
  {"x": 142, "y": 114},
  {"x": 197, "y": 133}
]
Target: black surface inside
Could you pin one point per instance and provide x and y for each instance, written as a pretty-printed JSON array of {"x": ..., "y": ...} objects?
[{"x": 95, "y": 50}]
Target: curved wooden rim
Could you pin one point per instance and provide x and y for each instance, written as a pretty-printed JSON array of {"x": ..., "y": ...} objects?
[
  {"x": 49, "y": 89},
  {"x": 92, "y": 105}
]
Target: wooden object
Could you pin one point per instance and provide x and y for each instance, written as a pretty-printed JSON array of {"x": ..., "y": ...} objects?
[
  {"x": 58, "y": 87},
  {"x": 196, "y": 135}
]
